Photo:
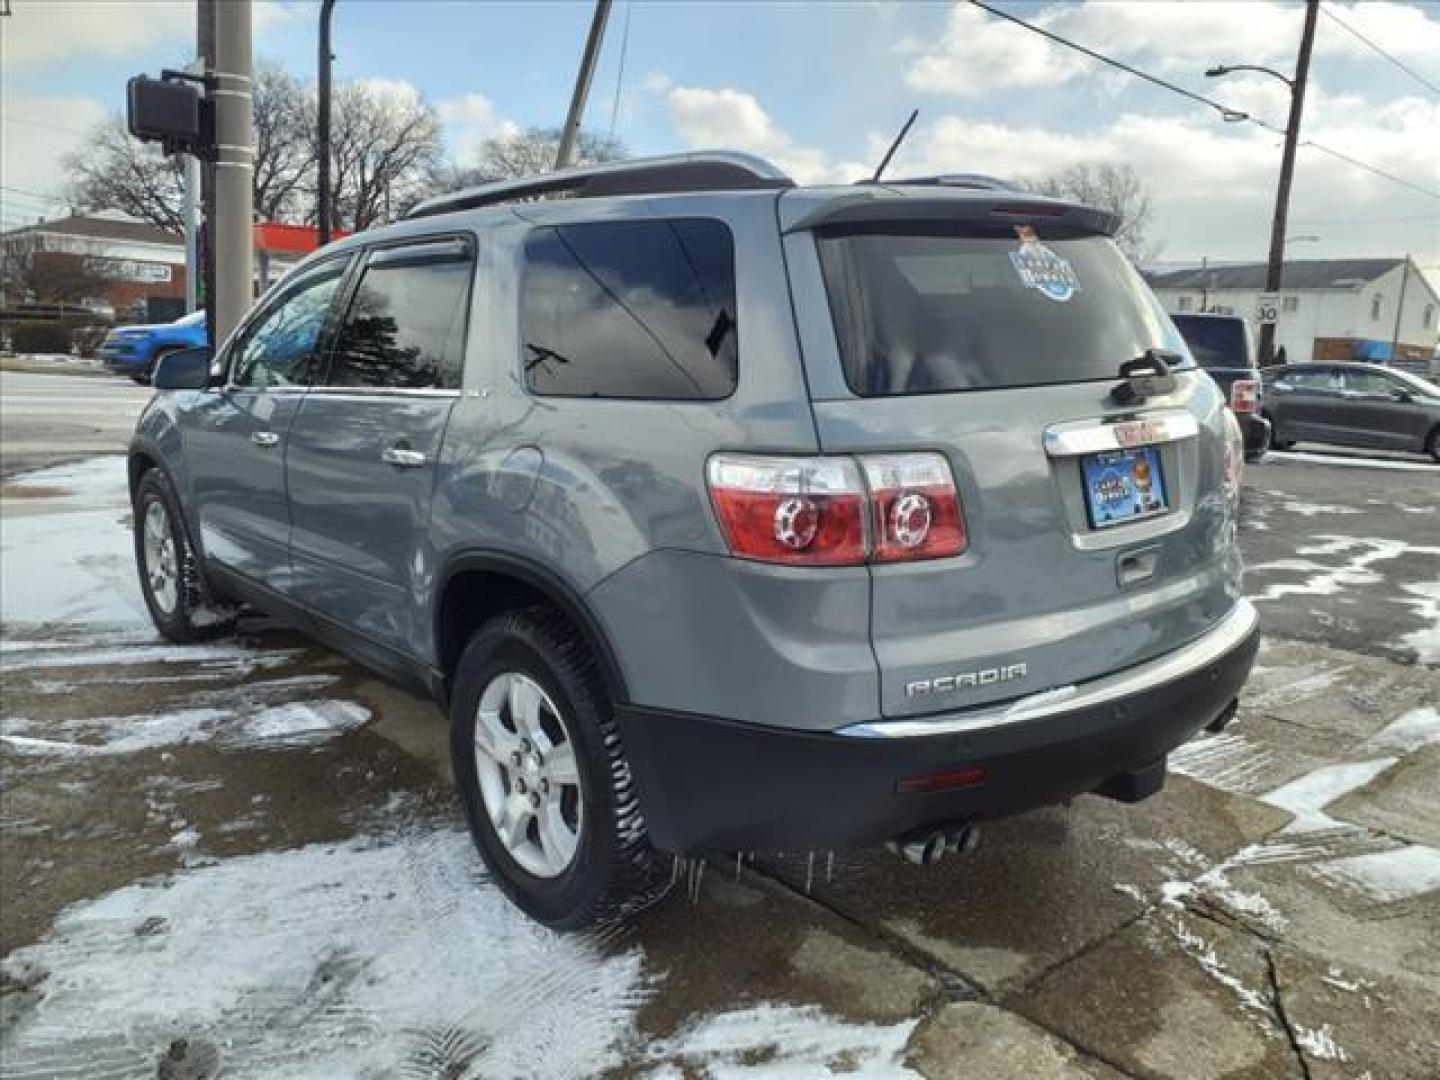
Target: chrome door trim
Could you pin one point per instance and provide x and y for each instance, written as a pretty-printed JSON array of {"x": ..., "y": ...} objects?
[
  {"x": 1097, "y": 436},
  {"x": 1226, "y": 635},
  {"x": 379, "y": 391}
]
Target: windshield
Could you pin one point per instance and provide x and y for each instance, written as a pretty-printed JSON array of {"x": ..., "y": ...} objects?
[
  {"x": 1216, "y": 342},
  {"x": 921, "y": 313},
  {"x": 1416, "y": 383}
]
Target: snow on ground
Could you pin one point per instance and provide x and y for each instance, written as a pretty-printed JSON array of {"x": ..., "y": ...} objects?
[
  {"x": 1360, "y": 554},
  {"x": 1425, "y": 641},
  {"x": 74, "y": 564},
  {"x": 1308, "y": 796},
  {"x": 1384, "y": 877},
  {"x": 1414, "y": 729},
  {"x": 297, "y": 723}
]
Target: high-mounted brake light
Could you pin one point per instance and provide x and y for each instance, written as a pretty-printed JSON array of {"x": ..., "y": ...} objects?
[
  {"x": 818, "y": 511},
  {"x": 916, "y": 511},
  {"x": 1244, "y": 395},
  {"x": 805, "y": 511}
]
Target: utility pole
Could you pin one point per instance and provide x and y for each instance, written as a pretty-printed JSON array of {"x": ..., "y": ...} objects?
[
  {"x": 1274, "y": 270},
  {"x": 1399, "y": 311},
  {"x": 571, "y": 131},
  {"x": 191, "y": 214},
  {"x": 205, "y": 42},
  {"x": 234, "y": 227},
  {"x": 322, "y": 125}
]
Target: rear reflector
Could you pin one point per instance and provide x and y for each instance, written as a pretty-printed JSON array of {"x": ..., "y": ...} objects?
[
  {"x": 942, "y": 781},
  {"x": 1244, "y": 395}
]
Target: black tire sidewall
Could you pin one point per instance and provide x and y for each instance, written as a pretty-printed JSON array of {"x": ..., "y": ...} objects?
[
  {"x": 520, "y": 643},
  {"x": 176, "y": 625}
]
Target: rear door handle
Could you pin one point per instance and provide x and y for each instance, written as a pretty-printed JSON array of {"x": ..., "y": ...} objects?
[
  {"x": 264, "y": 438},
  {"x": 402, "y": 458}
]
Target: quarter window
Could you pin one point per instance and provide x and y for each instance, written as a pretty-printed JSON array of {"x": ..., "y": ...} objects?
[
  {"x": 630, "y": 309},
  {"x": 281, "y": 348},
  {"x": 405, "y": 326},
  {"x": 1370, "y": 384}
]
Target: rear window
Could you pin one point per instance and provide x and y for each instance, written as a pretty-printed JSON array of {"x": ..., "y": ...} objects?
[
  {"x": 630, "y": 309},
  {"x": 924, "y": 313},
  {"x": 1216, "y": 343}
]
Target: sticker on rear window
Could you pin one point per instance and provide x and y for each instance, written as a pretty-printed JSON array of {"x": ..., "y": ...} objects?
[{"x": 1042, "y": 269}]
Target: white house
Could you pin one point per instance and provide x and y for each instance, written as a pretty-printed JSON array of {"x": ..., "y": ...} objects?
[{"x": 1330, "y": 309}]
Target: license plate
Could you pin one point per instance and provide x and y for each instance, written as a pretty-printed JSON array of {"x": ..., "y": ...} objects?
[{"x": 1123, "y": 486}]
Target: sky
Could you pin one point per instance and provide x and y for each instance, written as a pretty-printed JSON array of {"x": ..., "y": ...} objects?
[{"x": 821, "y": 88}]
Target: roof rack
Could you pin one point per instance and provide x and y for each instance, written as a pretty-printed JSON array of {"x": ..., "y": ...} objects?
[
  {"x": 960, "y": 180},
  {"x": 706, "y": 170}
]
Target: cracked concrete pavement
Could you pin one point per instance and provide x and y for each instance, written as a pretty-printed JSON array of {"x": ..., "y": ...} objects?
[{"x": 266, "y": 837}]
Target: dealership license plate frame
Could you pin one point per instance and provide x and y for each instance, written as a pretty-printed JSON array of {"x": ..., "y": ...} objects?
[{"x": 1141, "y": 499}]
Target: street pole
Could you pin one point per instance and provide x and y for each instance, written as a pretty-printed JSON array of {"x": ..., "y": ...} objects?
[
  {"x": 234, "y": 231},
  {"x": 205, "y": 41},
  {"x": 322, "y": 125},
  {"x": 192, "y": 232},
  {"x": 1275, "y": 270},
  {"x": 571, "y": 131},
  {"x": 1399, "y": 310}
]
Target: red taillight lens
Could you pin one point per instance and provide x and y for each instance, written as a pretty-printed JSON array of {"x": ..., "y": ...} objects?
[
  {"x": 805, "y": 511},
  {"x": 916, "y": 513},
  {"x": 1244, "y": 395}
]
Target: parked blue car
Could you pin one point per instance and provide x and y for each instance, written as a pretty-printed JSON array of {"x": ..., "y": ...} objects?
[{"x": 134, "y": 350}]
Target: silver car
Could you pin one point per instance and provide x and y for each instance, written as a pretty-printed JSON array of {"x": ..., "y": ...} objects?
[{"x": 721, "y": 514}]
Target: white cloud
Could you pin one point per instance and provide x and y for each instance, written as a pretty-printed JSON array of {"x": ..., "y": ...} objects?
[
  {"x": 468, "y": 121},
  {"x": 36, "y": 133},
  {"x": 978, "y": 52},
  {"x": 730, "y": 119},
  {"x": 39, "y": 33}
]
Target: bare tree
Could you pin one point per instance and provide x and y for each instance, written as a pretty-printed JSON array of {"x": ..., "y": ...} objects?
[
  {"x": 385, "y": 148},
  {"x": 527, "y": 153},
  {"x": 113, "y": 171},
  {"x": 284, "y": 147},
  {"x": 1117, "y": 188}
]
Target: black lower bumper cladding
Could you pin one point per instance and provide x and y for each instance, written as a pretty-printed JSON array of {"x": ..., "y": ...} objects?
[{"x": 709, "y": 786}]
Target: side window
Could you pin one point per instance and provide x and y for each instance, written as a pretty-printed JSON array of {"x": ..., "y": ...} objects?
[
  {"x": 1319, "y": 379},
  {"x": 281, "y": 347},
  {"x": 1369, "y": 384},
  {"x": 630, "y": 309},
  {"x": 405, "y": 327}
]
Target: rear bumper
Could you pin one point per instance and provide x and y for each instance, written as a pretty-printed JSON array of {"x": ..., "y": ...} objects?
[{"x": 708, "y": 785}]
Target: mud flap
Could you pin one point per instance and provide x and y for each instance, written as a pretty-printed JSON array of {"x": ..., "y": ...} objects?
[{"x": 1137, "y": 784}]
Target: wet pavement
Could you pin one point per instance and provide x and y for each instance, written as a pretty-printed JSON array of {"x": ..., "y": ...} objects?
[{"x": 244, "y": 859}]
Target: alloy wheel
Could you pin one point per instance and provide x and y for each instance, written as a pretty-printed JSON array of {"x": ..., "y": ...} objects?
[{"x": 162, "y": 564}]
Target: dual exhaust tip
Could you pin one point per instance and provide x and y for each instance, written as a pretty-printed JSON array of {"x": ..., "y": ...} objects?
[{"x": 926, "y": 847}]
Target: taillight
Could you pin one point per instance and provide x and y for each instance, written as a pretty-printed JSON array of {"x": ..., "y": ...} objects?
[
  {"x": 818, "y": 511},
  {"x": 805, "y": 511},
  {"x": 1244, "y": 395},
  {"x": 916, "y": 513}
]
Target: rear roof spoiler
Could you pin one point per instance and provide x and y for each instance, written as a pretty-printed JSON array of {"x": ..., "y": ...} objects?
[{"x": 890, "y": 207}]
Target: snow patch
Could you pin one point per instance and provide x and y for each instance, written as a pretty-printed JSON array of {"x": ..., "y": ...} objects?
[
  {"x": 1361, "y": 552},
  {"x": 300, "y": 723},
  {"x": 1294, "y": 456},
  {"x": 1307, "y": 797},
  {"x": 1426, "y": 641},
  {"x": 1320, "y": 1043},
  {"x": 798, "y": 1042},
  {"x": 351, "y": 959},
  {"x": 1293, "y": 506},
  {"x": 1414, "y": 729},
  {"x": 1385, "y": 877}
]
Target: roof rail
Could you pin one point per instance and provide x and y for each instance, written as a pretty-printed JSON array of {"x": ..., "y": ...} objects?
[
  {"x": 705, "y": 170},
  {"x": 960, "y": 180}
]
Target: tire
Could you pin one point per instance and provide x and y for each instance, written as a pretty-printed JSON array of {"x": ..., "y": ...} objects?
[
  {"x": 1276, "y": 442},
  {"x": 1432, "y": 444},
  {"x": 169, "y": 578},
  {"x": 593, "y": 863}
]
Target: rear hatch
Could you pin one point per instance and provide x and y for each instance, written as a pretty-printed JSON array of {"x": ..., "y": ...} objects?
[{"x": 992, "y": 329}]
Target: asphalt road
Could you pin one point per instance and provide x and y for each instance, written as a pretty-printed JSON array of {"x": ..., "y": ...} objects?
[
  {"x": 52, "y": 418},
  {"x": 246, "y": 856}
]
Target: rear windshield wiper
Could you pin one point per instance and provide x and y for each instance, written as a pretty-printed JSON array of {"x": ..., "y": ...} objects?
[{"x": 1146, "y": 376}]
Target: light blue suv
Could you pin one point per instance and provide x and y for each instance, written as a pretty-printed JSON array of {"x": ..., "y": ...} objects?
[{"x": 723, "y": 515}]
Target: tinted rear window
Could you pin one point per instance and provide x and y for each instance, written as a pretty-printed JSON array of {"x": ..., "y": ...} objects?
[
  {"x": 1216, "y": 343},
  {"x": 924, "y": 313},
  {"x": 630, "y": 309}
]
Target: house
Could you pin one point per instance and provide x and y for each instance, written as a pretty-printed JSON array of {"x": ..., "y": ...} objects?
[{"x": 1329, "y": 309}]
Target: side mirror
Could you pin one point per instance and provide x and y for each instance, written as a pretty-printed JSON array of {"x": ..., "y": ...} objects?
[
  {"x": 1402, "y": 395},
  {"x": 188, "y": 369}
]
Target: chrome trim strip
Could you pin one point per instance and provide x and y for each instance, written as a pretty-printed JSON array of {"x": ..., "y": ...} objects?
[
  {"x": 379, "y": 391},
  {"x": 1097, "y": 436},
  {"x": 1226, "y": 635}
]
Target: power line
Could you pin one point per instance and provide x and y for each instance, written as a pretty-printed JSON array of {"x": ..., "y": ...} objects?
[
  {"x": 1325, "y": 10},
  {"x": 1225, "y": 111}
]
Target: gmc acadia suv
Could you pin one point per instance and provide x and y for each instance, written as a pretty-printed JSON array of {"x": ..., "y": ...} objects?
[{"x": 723, "y": 515}]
